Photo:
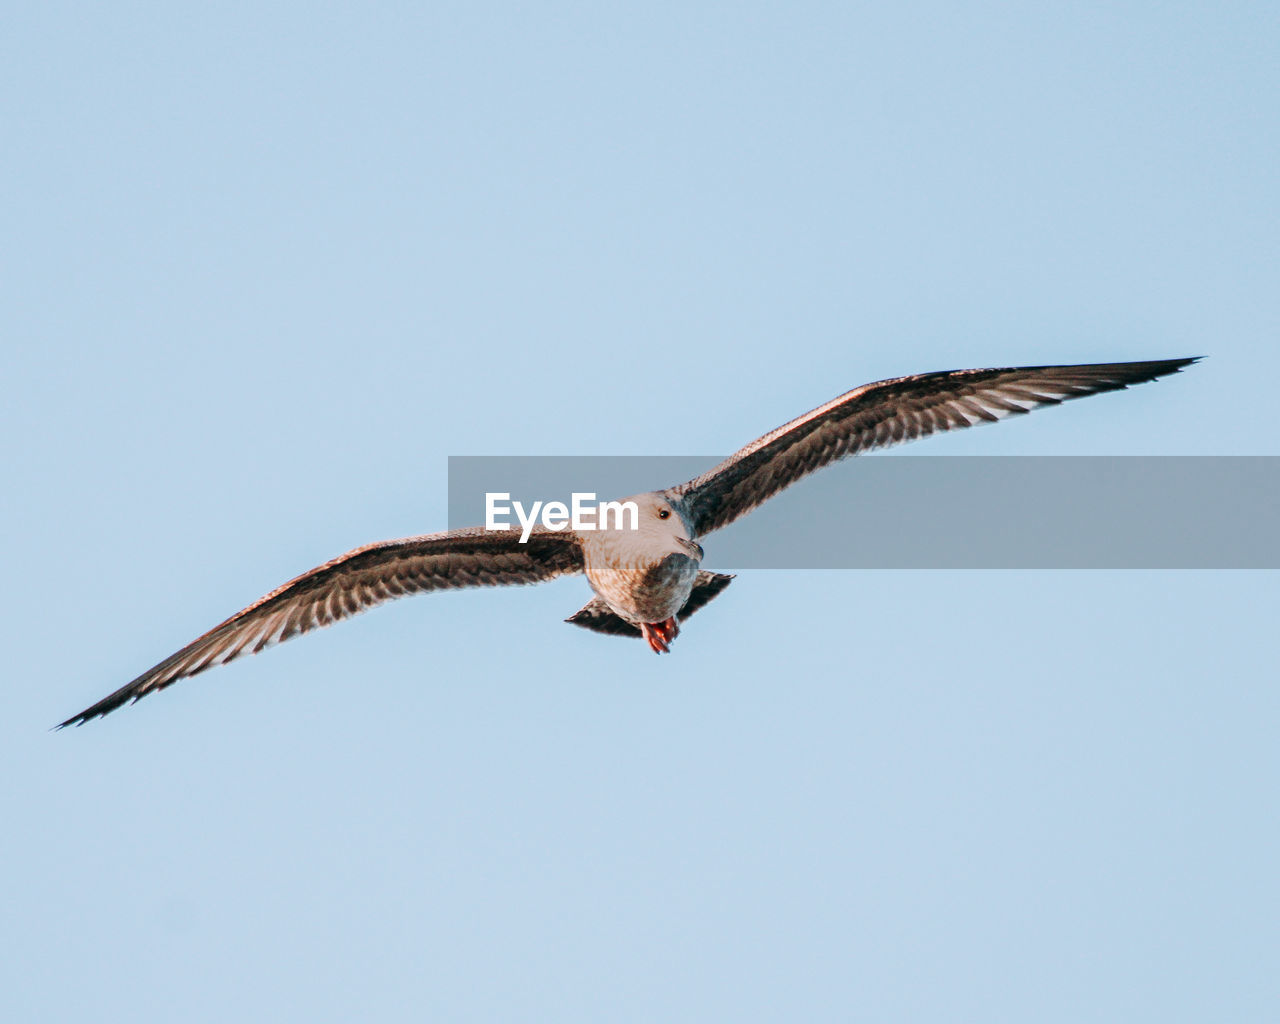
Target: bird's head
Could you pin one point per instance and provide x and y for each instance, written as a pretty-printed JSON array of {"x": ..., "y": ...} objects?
[{"x": 660, "y": 526}]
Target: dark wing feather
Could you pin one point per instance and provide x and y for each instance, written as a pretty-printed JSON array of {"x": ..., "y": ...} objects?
[
  {"x": 890, "y": 412},
  {"x": 353, "y": 583}
]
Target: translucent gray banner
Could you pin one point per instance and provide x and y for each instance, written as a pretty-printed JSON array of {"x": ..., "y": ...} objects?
[{"x": 944, "y": 512}]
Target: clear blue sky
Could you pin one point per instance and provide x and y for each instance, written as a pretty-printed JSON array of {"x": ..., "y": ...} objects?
[{"x": 266, "y": 267}]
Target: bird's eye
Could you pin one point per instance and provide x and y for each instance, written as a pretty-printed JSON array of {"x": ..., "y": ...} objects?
[{"x": 664, "y": 513}]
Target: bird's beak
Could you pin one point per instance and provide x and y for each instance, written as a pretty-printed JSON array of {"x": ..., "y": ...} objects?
[{"x": 691, "y": 546}]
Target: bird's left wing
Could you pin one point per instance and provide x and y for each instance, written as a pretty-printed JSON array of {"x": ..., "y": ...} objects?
[
  {"x": 353, "y": 583},
  {"x": 890, "y": 412}
]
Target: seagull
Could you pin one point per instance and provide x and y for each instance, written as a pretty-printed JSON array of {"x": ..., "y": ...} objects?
[{"x": 649, "y": 579}]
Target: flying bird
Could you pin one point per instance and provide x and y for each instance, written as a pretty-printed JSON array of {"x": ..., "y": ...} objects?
[{"x": 649, "y": 579}]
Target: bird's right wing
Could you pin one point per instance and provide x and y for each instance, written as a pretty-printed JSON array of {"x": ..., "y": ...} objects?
[{"x": 355, "y": 582}]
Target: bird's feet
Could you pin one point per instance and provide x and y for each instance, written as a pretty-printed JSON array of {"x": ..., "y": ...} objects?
[{"x": 660, "y": 634}]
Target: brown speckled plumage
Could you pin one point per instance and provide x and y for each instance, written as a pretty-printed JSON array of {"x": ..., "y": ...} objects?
[{"x": 652, "y": 574}]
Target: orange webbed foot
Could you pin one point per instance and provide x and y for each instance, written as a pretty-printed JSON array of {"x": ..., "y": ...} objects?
[{"x": 660, "y": 634}]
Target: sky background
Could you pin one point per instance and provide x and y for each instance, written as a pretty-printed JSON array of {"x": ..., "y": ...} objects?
[{"x": 268, "y": 266}]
